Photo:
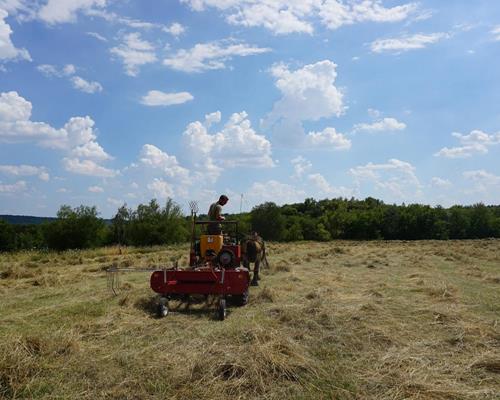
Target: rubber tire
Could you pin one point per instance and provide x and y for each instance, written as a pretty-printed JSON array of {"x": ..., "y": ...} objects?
[
  {"x": 162, "y": 310},
  {"x": 241, "y": 300},
  {"x": 222, "y": 311}
]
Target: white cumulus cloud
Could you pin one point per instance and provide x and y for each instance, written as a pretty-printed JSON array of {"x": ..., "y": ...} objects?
[
  {"x": 77, "y": 138},
  {"x": 175, "y": 29},
  {"x": 300, "y": 166},
  {"x": 19, "y": 186},
  {"x": 63, "y": 11},
  {"x": 25, "y": 170},
  {"x": 87, "y": 167},
  {"x": 298, "y": 16},
  {"x": 86, "y": 86},
  {"x": 396, "y": 179},
  {"x": 275, "y": 191},
  {"x": 337, "y": 13},
  {"x": 476, "y": 142},
  {"x": 327, "y": 189},
  {"x": 134, "y": 53},
  {"x": 96, "y": 189},
  {"x": 329, "y": 138},
  {"x": 153, "y": 157},
  {"x": 235, "y": 145},
  {"x": 210, "y": 56},
  {"x": 440, "y": 182},
  {"x": 384, "y": 125},
  {"x": 482, "y": 176},
  {"x": 68, "y": 71},
  {"x": 406, "y": 43},
  {"x": 161, "y": 189},
  {"x": 308, "y": 94},
  {"x": 9, "y": 52},
  {"x": 157, "y": 98}
]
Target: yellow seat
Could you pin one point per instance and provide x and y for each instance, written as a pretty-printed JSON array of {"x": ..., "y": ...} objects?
[{"x": 211, "y": 242}]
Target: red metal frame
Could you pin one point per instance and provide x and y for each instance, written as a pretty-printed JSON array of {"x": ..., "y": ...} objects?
[{"x": 210, "y": 281}]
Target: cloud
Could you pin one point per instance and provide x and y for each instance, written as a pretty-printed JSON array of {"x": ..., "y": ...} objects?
[
  {"x": 157, "y": 98},
  {"x": 406, "y": 43},
  {"x": 173, "y": 178},
  {"x": 134, "y": 52},
  {"x": 161, "y": 189},
  {"x": 63, "y": 11},
  {"x": 25, "y": 170},
  {"x": 336, "y": 13},
  {"x": 484, "y": 183},
  {"x": 212, "y": 118},
  {"x": 284, "y": 17},
  {"x": 308, "y": 94},
  {"x": 17, "y": 187},
  {"x": 13, "y": 6},
  {"x": 210, "y": 56},
  {"x": 175, "y": 29},
  {"x": 8, "y": 52},
  {"x": 96, "y": 189},
  {"x": 325, "y": 188},
  {"x": 483, "y": 177},
  {"x": 97, "y": 36},
  {"x": 496, "y": 33},
  {"x": 115, "y": 202},
  {"x": 77, "y": 138},
  {"x": 384, "y": 125},
  {"x": 51, "y": 71},
  {"x": 153, "y": 157},
  {"x": 87, "y": 167},
  {"x": 69, "y": 71},
  {"x": 300, "y": 166},
  {"x": 235, "y": 145},
  {"x": 440, "y": 183},
  {"x": 86, "y": 86},
  {"x": 328, "y": 139},
  {"x": 476, "y": 142},
  {"x": 395, "y": 178},
  {"x": 277, "y": 192}
]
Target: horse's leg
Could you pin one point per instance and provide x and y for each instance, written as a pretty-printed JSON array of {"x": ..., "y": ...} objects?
[{"x": 255, "y": 279}]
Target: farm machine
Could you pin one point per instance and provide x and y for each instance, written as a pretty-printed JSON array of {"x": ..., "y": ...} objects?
[{"x": 214, "y": 271}]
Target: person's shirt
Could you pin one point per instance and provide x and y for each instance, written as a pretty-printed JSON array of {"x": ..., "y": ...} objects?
[{"x": 215, "y": 211}]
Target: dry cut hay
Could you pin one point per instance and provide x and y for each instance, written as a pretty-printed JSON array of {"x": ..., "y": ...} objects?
[{"x": 264, "y": 359}]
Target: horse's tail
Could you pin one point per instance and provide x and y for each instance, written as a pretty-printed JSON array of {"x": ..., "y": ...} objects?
[{"x": 264, "y": 257}]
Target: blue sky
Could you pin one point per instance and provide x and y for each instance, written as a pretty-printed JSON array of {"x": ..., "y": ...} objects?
[{"x": 108, "y": 102}]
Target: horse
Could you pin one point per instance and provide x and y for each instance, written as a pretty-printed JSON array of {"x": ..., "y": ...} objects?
[{"x": 253, "y": 250}]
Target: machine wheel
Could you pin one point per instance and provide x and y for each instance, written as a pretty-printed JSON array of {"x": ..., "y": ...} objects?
[
  {"x": 226, "y": 258},
  {"x": 242, "y": 299},
  {"x": 162, "y": 309},
  {"x": 221, "y": 311}
]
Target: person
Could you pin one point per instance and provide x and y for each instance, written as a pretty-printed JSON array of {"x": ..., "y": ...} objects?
[{"x": 215, "y": 214}]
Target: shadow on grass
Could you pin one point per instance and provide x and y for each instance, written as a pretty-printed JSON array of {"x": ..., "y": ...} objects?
[{"x": 197, "y": 306}]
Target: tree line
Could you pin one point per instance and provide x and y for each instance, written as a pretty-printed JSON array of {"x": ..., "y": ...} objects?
[{"x": 151, "y": 224}]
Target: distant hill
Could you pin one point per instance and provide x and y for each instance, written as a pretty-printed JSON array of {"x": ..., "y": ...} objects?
[
  {"x": 30, "y": 220},
  {"x": 26, "y": 219}
]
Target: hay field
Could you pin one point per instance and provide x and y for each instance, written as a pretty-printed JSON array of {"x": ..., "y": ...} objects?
[{"x": 338, "y": 320}]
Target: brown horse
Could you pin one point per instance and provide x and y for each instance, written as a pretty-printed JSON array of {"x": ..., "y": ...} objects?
[{"x": 253, "y": 250}]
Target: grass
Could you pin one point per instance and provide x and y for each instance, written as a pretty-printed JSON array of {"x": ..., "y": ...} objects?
[{"x": 339, "y": 320}]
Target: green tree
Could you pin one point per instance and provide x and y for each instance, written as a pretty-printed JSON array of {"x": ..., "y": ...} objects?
[
  {"x": 75, "y": 228},
  {"x": 268, "y": 221},
  {"x": 7, "y": 238}
]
